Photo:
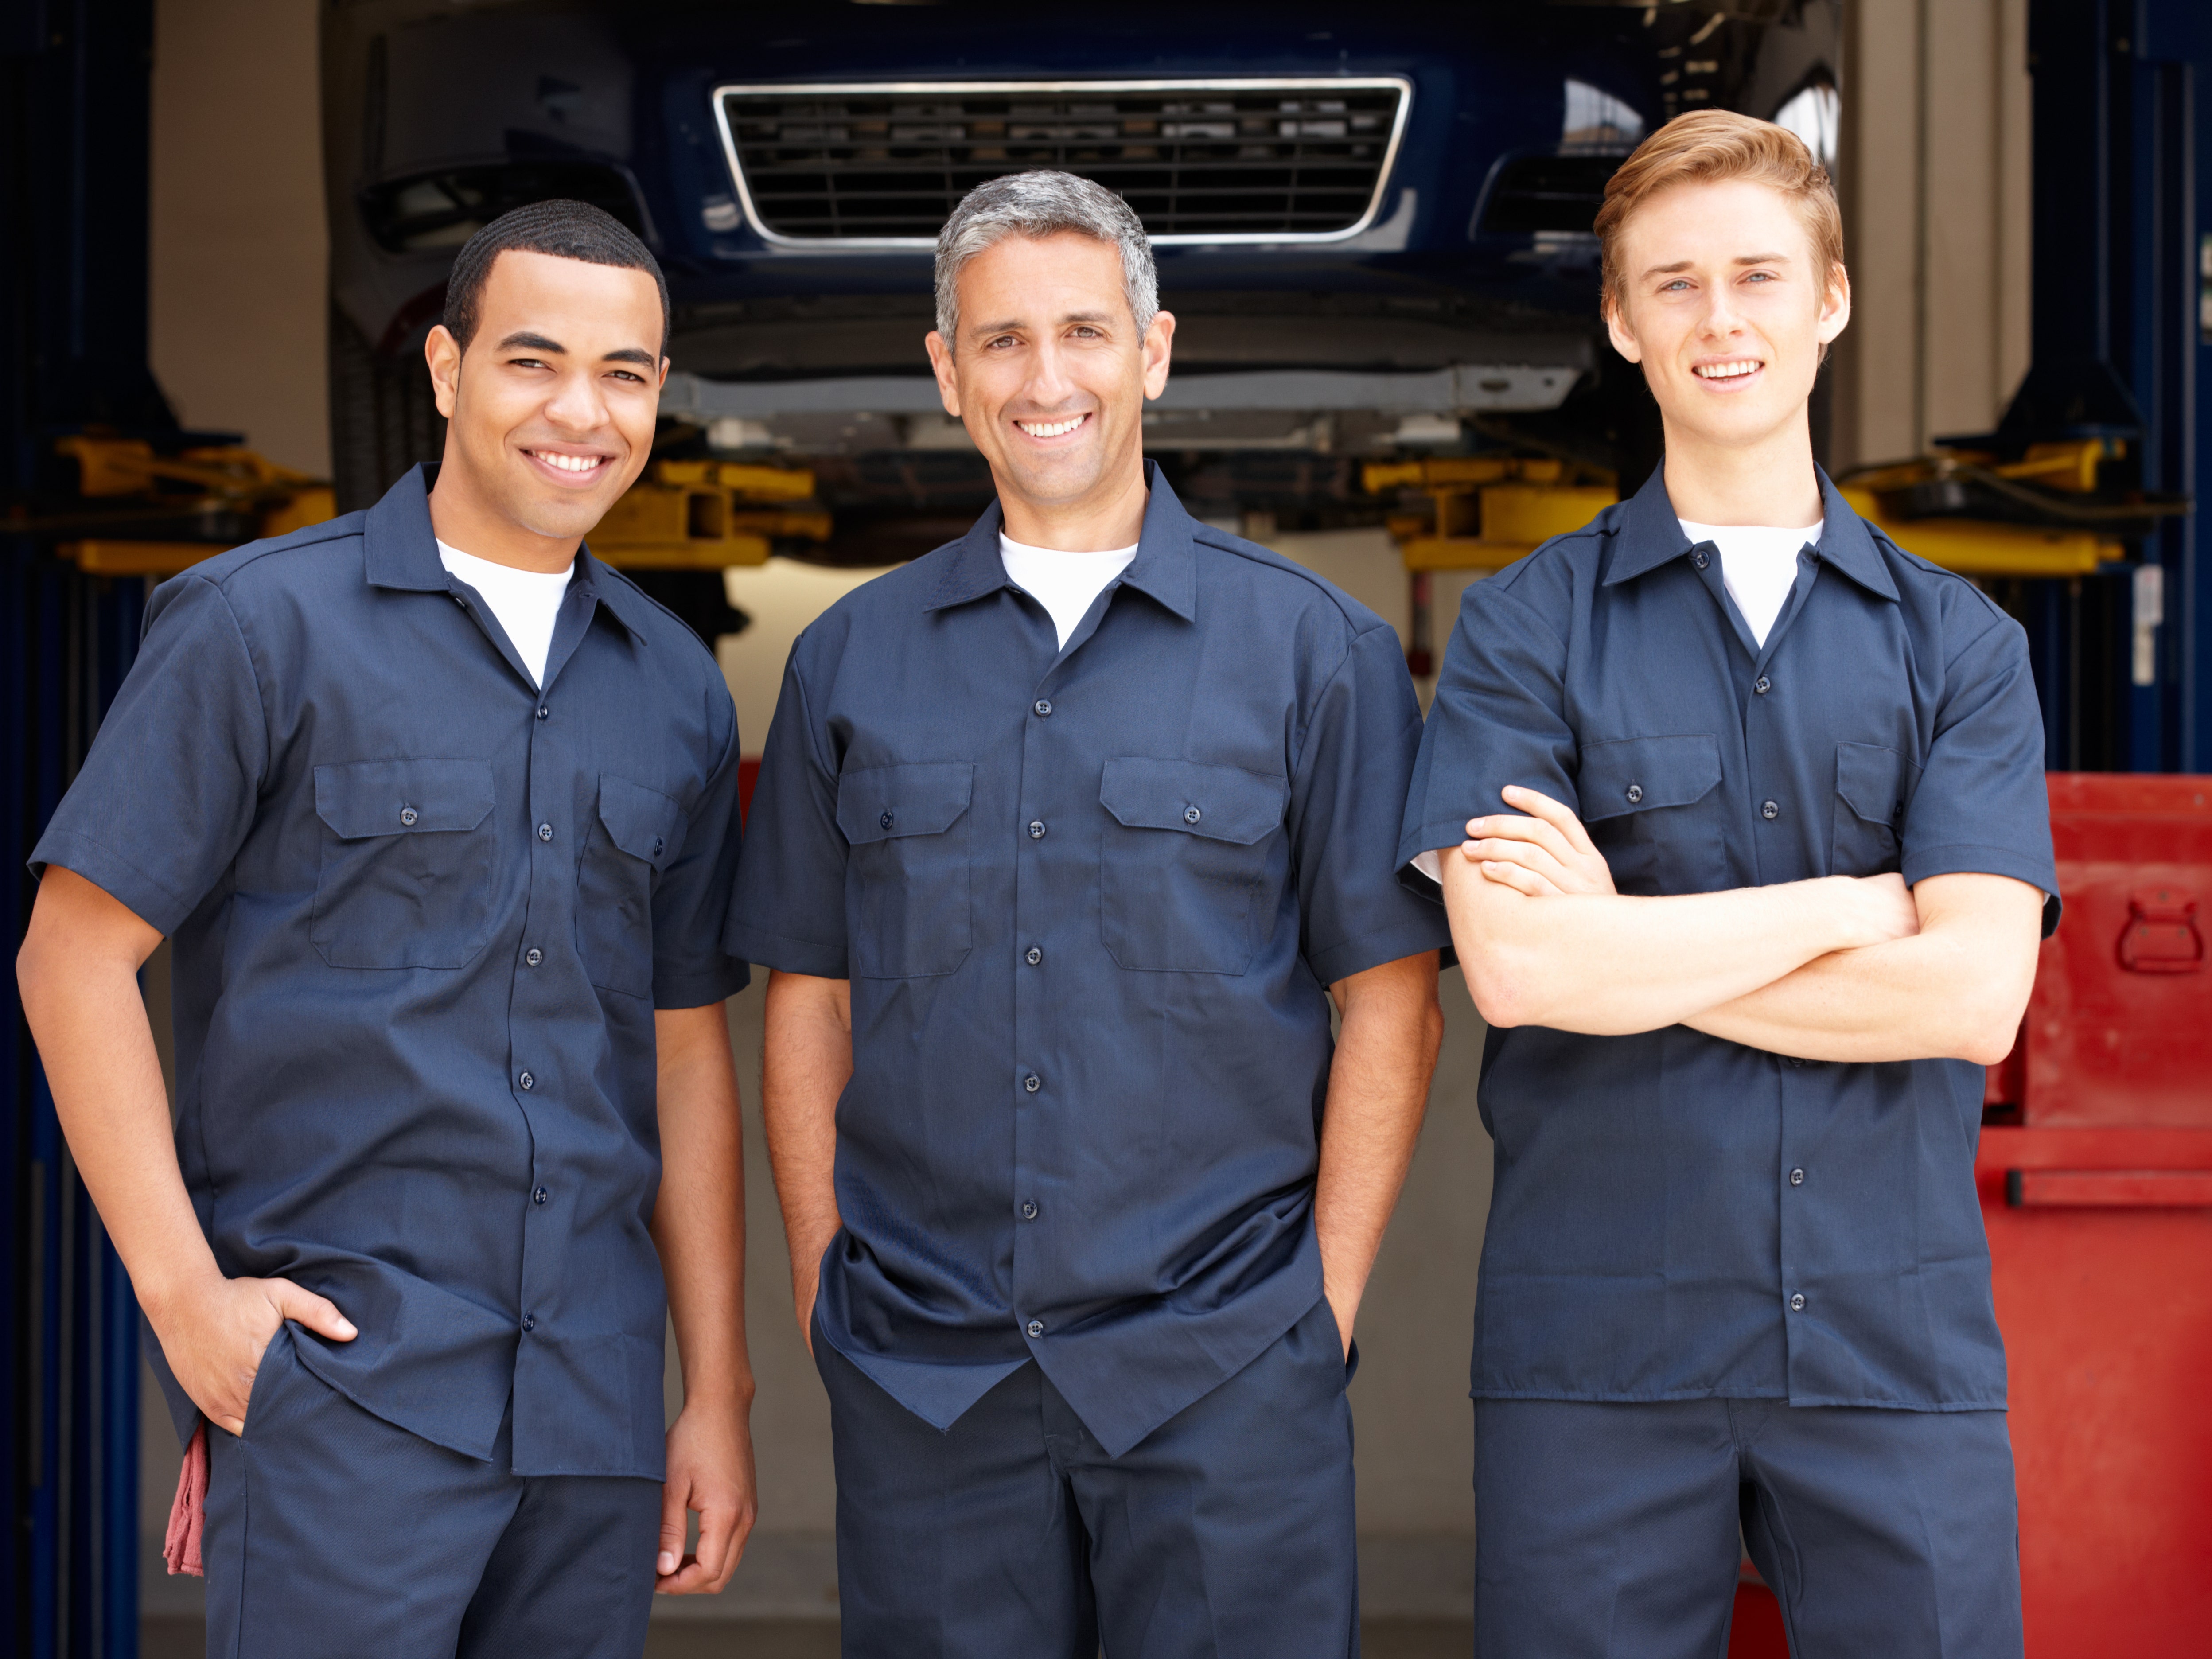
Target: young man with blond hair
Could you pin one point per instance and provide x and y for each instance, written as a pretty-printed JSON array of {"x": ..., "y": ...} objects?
[{"x": 1760, "y": 860}]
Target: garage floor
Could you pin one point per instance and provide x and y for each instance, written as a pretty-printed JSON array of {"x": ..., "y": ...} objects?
[{"x": 814, "y": 1639}]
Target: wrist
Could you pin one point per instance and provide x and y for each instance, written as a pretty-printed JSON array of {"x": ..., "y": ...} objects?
[{"x": 166, "y": 1295}]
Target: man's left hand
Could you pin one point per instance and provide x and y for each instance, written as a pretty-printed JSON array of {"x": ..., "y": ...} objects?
[
  {"x": 710, "y": 1471},
  {"x": 1544, "y": 854}
]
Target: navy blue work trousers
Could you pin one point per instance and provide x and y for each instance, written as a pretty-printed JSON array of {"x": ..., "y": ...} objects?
[
  {"x": 1227, "y": 1531},
  {"x": 1606, "y": 1531},
  {"x": 332, "y": 1535}
]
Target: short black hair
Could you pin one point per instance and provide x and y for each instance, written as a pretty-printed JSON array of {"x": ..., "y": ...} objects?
[{"x": 566, "y": 230}]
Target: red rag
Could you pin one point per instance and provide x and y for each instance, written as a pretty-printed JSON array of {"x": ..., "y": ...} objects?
[{"x": 180, "y": 1547}]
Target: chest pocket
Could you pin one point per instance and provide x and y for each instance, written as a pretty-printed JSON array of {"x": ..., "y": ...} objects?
[
  {"x": 907, "y": 881},
  {"x": 1181, "y": 863},
  {"x": 638, "y": 832},
  {"x": 1874, "y": 785},
  {"x": 1653, "y": 807},
  {"x": 409, "y": 873}
]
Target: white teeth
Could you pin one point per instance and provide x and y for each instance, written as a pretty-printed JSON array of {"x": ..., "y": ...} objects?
[
  {"x": 1727, "y": 371},
  {"x": 569, "y": 463},
  {"x": 1050, "y": 428}
]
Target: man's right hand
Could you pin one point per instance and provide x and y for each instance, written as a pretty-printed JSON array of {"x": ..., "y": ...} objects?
[
  {"x": 1878, "y": 908},
  {"x": 214, "y": 1338}
]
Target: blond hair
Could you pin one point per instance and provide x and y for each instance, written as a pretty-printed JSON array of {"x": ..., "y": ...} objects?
[{"x": 1711, "y": 146}]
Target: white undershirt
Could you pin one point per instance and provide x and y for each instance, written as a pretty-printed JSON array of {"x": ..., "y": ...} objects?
[
  {"x": 1064, "y": 583},
  {"x": 526, "y": 602},
  {"x": 1759, "y": 562}
]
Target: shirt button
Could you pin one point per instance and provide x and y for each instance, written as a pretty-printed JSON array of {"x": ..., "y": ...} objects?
[
  {"x": 527, "y": 1082},
  {"x": 1036, "y": 1327},
  {"x": 1037, "y": 829},
  {"x": 1697, "y": 559},
  {"x": 530, "y": 1322},
  {"x": 533, "y": 956},
  {"x": 1769, "y": 811},
  {"x": 1042, "y": 707},
  {"x": 544, "y": 712},
  {"x": 1033, "y": 956},
  {"x": 1033, "y": 1083},
  {"x": 1797, "y": 1302},
  {"x": 1191, "y": 815},
  {"x": 1794, "y": 1063},
  {"x": 539, "y": 1196},
  {"x": 545, "y": 832},
  {"x": 885, "y": 822},
  {"x": 407, "y": 816},
  {"x": 1028, "y": 1210},
  {"x": 1635, "y": 794},
  {"x": 1762, "y": 685},
  {"x": 1796, "y": 1177}
]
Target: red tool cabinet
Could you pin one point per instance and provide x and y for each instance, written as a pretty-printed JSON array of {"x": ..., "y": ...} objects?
[{"x": 2095, "y": 1173}]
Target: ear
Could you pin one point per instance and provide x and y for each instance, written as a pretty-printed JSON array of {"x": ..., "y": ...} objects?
[
  {"x": 1836, "y": 308},
  {"x": 664, "y": 374},
  {"x": 940, "y": 363},
  {"x": 443, "y": 353},
  {"x": 1616, "y": 328},
  {"x": 1159, "y": 345}
]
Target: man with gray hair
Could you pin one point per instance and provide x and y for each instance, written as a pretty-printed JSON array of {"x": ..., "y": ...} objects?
[{"x": 1065, "y": 837}]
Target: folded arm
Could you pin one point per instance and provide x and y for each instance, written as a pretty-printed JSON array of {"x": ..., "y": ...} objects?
[{"x": 1545, "y": 940}]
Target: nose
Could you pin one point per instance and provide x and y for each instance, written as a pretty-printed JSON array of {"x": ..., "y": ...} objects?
[
  {"x": 575, "y": 404},
  {"x": 1049, "y": 382}
]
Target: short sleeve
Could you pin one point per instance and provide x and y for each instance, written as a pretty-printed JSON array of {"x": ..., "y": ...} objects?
[
  {"x": 167, "y": 794},
  {"x": 1346, "y": 796},
  {"x": 1499, "y": 718},
  {"x": 689, "y": 967},
  {"x": 1981, "y": 805},
  {"x": 788, "y": 911}
]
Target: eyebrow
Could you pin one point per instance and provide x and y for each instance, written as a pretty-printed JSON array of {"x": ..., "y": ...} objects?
[
  {"x": 1741, "y": 259},
  {"x": 528, "y": 342},
  {"x": 1071, "y": 317}
]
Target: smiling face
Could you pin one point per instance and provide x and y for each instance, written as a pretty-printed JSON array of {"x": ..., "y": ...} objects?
[
  {"x": 1727, "y": 309},
  {"x": 1049, "y": 374},
  {"x": 549, "y": 410}
]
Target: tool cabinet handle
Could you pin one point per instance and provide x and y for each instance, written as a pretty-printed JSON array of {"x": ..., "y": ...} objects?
[{"x": 2109, "y": 1189}]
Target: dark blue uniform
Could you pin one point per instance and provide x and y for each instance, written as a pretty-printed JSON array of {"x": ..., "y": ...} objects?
[
  {"x": 1089, "y": 900},
  {"x": 422, "y": 912},
  {"x": 1679, "y": 1218}
]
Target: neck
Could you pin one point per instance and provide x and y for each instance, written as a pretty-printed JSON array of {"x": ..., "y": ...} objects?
[
  {"x": 1768, "y": 481},
  {"x": 1107, "y": 517},
  {"x": 461, "y": 518}
]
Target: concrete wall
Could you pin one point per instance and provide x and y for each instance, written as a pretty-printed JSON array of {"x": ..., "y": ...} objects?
[{"x": 1934, "y": 176}]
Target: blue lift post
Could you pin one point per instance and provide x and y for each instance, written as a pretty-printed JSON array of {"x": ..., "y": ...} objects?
[
  {"x": 74, "y": 115},
  {"x": 2123, "y": 320}
]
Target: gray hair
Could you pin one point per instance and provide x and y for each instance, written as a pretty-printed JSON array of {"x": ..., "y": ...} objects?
[{"x": 1038, "y": 204}]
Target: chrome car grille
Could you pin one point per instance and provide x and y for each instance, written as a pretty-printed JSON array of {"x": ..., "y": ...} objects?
[{"x": 1242, "y": 161}]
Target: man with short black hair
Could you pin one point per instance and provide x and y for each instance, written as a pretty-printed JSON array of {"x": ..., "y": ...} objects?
[
  {"x": 1065, "y": 837},
  {"x": 439, "y": 815}
]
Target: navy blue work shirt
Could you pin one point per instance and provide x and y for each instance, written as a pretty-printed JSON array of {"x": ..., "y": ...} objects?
[
  {"x": 421, "y": 915},
  {"x": 1089, "y": 900},
  {"x": 1675, "y": 1216}
]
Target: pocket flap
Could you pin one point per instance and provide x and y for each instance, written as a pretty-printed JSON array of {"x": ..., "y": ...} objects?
[
  {"x": 876, "y": 803},
  {"x": 1874, "y": 781},
  {"x": 1222, "y": 803},
  {"x": 1634, "y": 775},
  {"x": 360, "y": 799},
  {"x": 644, "y": 823}
]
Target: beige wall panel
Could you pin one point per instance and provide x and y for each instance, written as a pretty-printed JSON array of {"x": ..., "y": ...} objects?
[
  {"x": 1958, "y": 370},
  {"x": 238, "y": 279},
  {"x": 1877, "y": 412}
]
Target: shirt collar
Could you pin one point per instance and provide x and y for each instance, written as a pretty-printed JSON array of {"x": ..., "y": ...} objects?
[
  {"x": 1165, "y": 567},
  {"x": 400, "y": 550},
  {"x": 1650, "y": 535}
]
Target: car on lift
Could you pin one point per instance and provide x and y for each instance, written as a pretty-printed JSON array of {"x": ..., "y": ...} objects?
[{"x": 1372, "y": 224}]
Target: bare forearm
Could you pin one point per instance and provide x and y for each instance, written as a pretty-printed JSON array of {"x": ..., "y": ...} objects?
[
  {"x": 86, "y": 1014},
  {"x": 1953, "y": 991},
  {"x": 699, "y": 1220},
  {"x": 806, "y": 1061},
  {"x": 1610, "y": 964},
  {"x": 1378, "y": 1092}
]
